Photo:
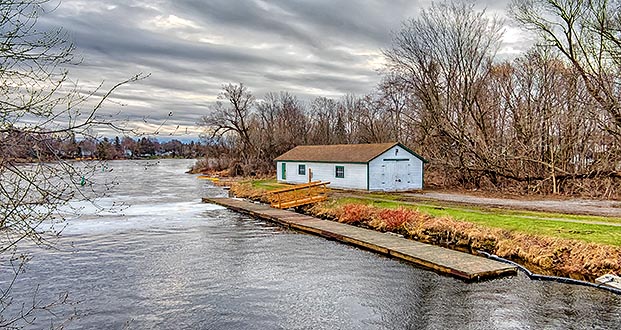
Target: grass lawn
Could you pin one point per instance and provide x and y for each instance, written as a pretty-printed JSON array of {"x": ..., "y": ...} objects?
[
  {"x": 541, "y": 223},
  {"x": 580, "y": 227},
  {"x": 268, "y": 184}
]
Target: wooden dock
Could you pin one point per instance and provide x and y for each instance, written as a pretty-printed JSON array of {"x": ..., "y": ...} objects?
[{"x": 458, "y": 264}]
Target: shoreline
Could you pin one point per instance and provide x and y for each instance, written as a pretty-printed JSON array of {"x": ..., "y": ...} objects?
[
  {"x": 541, "y": 254},
  {"x": 444, "y": 261}
]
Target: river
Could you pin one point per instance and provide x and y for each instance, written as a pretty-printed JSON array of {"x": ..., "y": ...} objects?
[{"x": 164, "y": 260}]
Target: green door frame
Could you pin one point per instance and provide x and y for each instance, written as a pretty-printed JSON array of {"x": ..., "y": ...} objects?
[{"x": 283, "y": 171}]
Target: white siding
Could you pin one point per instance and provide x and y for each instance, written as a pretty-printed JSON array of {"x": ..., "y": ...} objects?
[
  {"x": 355, "y": 174},
  {"x": 398, "y": 171},
  {"x": 292, "y": 172}
]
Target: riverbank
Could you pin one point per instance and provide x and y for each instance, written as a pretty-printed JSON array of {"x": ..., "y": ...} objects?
[
  {"x": 445, "y": 261},
  {"x": 584, "y": 250}
]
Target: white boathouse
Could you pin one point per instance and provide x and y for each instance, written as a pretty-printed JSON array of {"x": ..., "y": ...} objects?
[{"x": 374, "y": 167}]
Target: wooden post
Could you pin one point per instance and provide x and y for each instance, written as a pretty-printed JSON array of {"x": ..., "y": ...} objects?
[{"x": 310, "y": 178}]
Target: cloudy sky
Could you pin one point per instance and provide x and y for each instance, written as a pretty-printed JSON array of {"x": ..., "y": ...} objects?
[{"x": 191, "y": 48}]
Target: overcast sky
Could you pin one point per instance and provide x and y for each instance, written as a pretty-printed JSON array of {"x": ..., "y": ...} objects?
[{"x": 191, "y": 48}]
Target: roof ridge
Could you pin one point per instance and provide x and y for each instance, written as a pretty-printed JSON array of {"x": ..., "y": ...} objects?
[{"x": 345, "y": 153}]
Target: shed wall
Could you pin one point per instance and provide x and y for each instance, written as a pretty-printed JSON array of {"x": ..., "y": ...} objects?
[
  {"x": 396, "y": 171},
  {"x": 355, "y": 174}
]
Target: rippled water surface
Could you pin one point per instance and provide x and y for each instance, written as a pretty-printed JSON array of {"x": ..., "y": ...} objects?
[{"x": 167, "y": 261}]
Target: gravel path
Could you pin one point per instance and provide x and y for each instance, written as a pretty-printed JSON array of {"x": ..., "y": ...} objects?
[{"x": 571, "y": 206}]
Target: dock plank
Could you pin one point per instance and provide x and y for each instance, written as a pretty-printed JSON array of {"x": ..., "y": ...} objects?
[{"x": 458, "y": 264}]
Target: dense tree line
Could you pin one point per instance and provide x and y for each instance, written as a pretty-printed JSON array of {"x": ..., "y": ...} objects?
[
  {"x": 25, "y": 147},
  {"x": 547, "y": 121},
  {"x": 129, "y": 148}
]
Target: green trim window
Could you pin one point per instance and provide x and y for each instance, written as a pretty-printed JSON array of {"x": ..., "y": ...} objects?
[
  {"x": 302, "y": 169},
  {"x": 283, "y": 174},
  {"x": 339, "y": 171}
]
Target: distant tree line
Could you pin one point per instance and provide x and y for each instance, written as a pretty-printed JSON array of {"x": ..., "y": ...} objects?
[
  {"x": 26, "y": 147},
  {"x": 548, "y": 121}
]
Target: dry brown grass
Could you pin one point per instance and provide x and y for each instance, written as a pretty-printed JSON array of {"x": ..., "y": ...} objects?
[
  {"x": 548, "y": 255},
  {"x": 245, "y": 189},
  {"x": 353, "y": 214}
]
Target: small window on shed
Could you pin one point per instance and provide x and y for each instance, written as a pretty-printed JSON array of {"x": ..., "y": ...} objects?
[
  {"x": 302, "y": 169},
  {"x": 340, "y": 172}
]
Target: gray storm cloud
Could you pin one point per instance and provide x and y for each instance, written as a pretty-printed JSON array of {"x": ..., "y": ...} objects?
[{"x": 191, "y": 47}]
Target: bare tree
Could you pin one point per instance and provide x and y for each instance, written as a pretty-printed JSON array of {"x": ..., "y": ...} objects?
[
  {"x": 268, "y": 110},
  {"x": 371, "y": 121},
  {"x": 38, "y": 109},
  {"x": 281, "y": 124},
  {"x": 351, "y": 107},
  {"x": 587, "y": 33},
  {"x": 232, "y": 119},
  {"x": 541, "y": 123},
  {"x": 444, "y": 58},
  {"x": 323, "y": 119},
  {"x": 291, "y": 124}
]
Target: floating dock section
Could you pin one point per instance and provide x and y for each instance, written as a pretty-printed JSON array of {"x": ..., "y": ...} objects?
[{"x": 458, "y": 264}]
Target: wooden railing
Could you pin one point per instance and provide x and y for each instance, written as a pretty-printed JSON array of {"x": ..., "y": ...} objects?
[{"x": 298, "y": 195}]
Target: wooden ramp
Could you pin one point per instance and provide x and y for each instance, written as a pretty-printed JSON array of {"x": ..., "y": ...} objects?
[
  {"x": 461, "y": 265},
  {"x": 298, "y": 195}
]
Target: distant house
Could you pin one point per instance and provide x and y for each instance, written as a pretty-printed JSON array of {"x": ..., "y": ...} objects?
[{"x": 379, "y": 167}]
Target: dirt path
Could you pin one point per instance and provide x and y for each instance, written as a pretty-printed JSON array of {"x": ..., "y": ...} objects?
[{"x": 571, "y": 206}]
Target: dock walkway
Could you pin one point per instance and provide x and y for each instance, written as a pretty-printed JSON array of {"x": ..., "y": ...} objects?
[{"x": 458, "y": 264}]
